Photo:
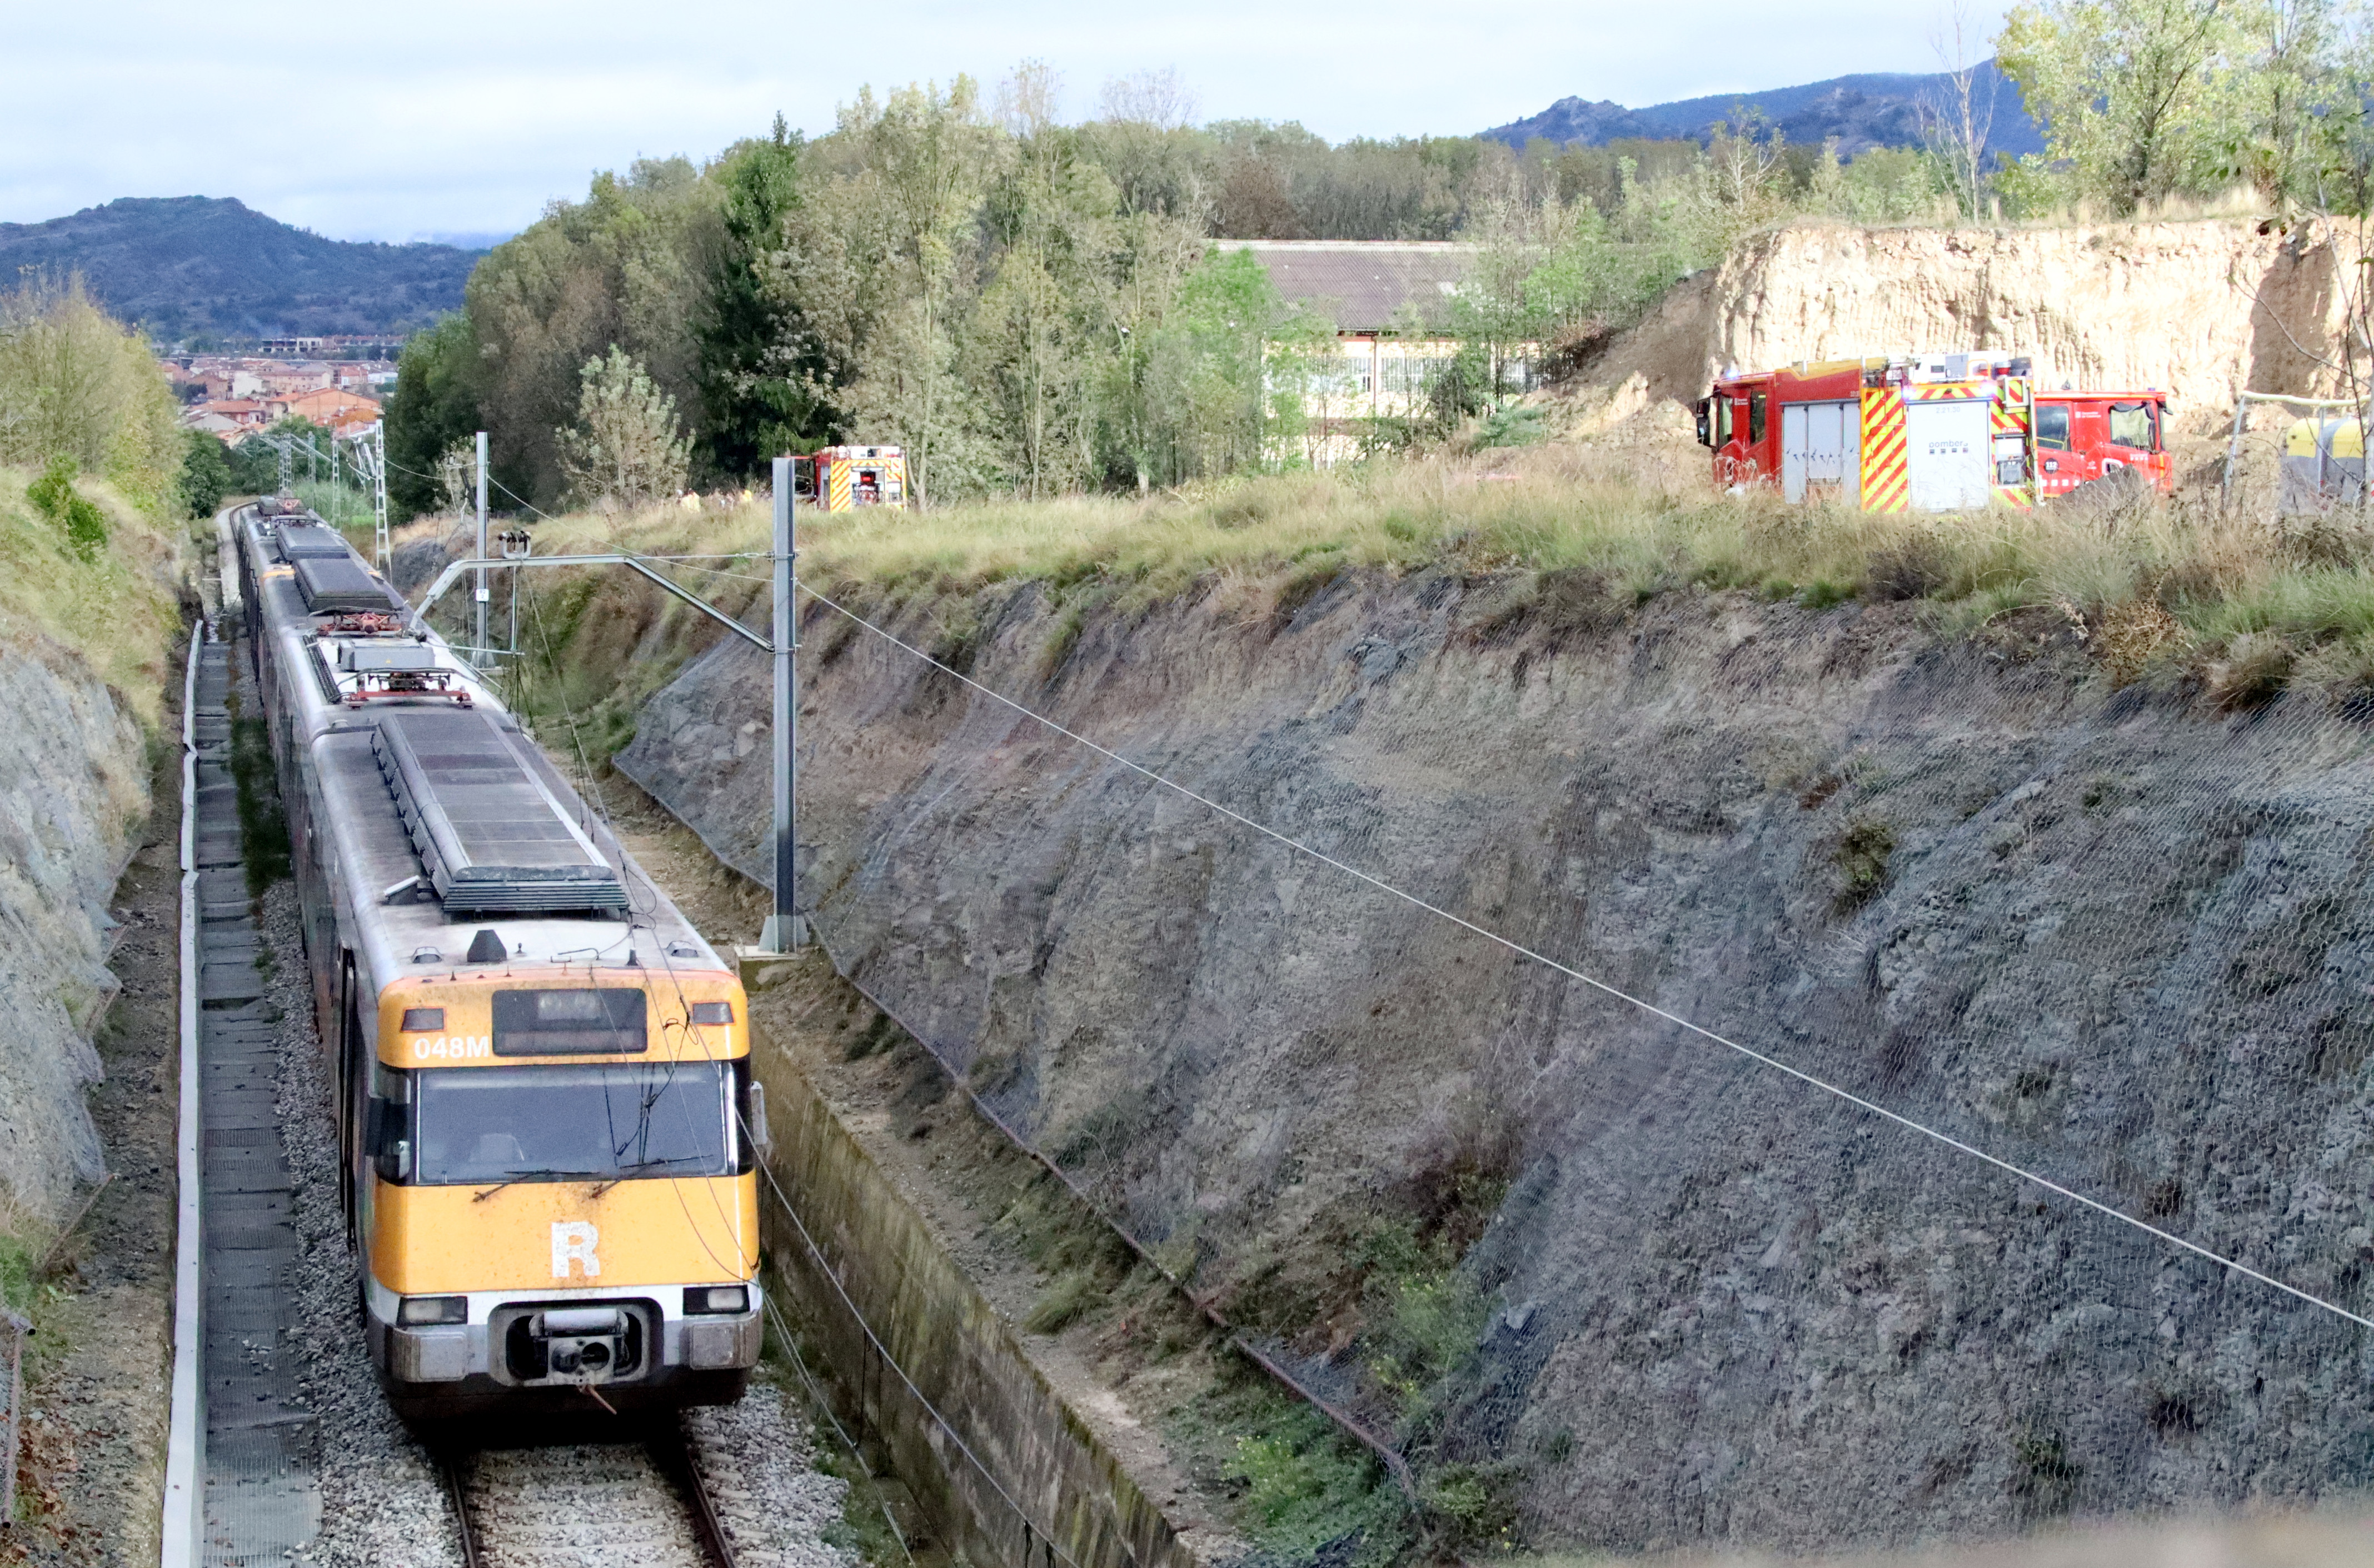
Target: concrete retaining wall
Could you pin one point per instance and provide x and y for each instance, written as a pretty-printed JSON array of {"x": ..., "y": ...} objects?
[{"x": 877, "y": 1260}]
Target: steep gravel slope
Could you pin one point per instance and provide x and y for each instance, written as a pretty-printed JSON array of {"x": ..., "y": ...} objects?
[{"x": 2112, "y": 938}]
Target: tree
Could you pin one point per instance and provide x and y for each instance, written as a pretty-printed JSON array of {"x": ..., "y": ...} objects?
[
  {"x": 1042, "y": 320},
  {"x": 885, "y": 261},
  {"x": 761, "y": 368},
  {"x": 626, "y": 448},
  {"x": 630, "y": 266},
  {"x": 1958, "y": 119},
  {"x": 2300, "y": 136},
  {"x": 206, "y": 474},
  {"x": 2138, "y": 97},
  {"x": 1189, "y": 394},
  {"x": 75, "y": 381},
  {"x": 435, "y": 405}
]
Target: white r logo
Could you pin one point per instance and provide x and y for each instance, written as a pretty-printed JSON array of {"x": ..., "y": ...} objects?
[{"x": 573, "y": 1241}]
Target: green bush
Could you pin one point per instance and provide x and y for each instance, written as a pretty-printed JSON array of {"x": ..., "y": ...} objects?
[
  {"x": 1862, "y": 858},
  {"x": 1518, "y": 424},
  {"x": 83, "y": 523}
]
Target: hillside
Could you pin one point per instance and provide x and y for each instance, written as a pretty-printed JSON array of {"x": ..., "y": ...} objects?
[
  {"x": 182, "y": 266},
  {"x": 1861, "y": 112}
]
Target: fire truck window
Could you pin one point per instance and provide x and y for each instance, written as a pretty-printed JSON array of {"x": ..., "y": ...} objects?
[
  {"x": 1755, "y": 418},
  {"x": 2053, "y": 426},
  {"x": 2131, "y": 426}
]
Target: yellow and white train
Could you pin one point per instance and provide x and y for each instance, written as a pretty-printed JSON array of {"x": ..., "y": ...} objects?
[{"x": 546, "y": 1113}]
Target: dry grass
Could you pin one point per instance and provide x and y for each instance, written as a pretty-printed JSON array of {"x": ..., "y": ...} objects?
[
  {"x": 117, "y": 613},
  {"x": 2173, "y": 592}
]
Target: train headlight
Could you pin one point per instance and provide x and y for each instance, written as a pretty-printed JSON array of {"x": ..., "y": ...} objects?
[
  {"x": 705, "y": 1299},
  {"x": 416, "y": 1311}
]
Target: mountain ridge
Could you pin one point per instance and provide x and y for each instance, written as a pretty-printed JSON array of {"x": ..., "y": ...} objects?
[
  {"x": 184, "y": 265},
  {"x": 1866, "y": 110}
]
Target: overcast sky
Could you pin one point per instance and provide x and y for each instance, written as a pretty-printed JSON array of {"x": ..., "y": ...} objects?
[{"x": 441, "y": 116}]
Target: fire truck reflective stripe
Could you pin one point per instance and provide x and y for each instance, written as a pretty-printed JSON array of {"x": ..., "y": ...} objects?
[
  {"x": 2010, "y": 418},
  {"x": 1886, "y": 486},
  {"x": 836, "y": 488}
]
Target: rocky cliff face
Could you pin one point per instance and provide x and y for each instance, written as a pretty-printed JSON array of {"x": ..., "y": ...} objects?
[
  {"x": 2201, "y": 310},
  {"x": 2109, "y": 938},
  {"x": 73, "y": 789}
]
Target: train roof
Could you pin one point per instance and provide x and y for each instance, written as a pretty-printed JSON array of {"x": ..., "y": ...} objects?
[{"x": 448, "y": 818}]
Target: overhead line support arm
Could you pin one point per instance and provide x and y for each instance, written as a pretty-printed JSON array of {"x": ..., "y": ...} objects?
[{"x": 453, "y": 573}]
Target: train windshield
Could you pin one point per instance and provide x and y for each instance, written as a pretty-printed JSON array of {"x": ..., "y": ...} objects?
[{"x": 506, "y": 1124}]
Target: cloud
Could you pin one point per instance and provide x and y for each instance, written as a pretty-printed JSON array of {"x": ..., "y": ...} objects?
[{"x": 454, "y": 116}]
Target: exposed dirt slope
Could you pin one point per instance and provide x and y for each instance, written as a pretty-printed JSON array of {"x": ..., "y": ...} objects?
[
  {"x": 73, "y": 789},
  {"x": 2203, "y": 310},
  {"x": 2110, "y": 937}
]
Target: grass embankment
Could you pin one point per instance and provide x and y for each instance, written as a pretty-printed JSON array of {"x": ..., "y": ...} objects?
[
  {"x": 2167, "y": 592},
  {"x": 112, "y": 605}
]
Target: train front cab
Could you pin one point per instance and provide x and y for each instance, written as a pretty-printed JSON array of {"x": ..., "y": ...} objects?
[{"x": 556, "y": 1193}]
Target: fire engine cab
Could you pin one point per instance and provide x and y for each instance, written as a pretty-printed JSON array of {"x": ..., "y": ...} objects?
[{"x": 1926, "y": 433}]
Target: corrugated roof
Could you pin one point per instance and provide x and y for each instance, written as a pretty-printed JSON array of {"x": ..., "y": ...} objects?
[{"x": 1365, "y": 285}]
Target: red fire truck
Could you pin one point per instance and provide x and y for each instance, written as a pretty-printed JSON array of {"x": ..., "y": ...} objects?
[{"x": 1927, "y": 432}]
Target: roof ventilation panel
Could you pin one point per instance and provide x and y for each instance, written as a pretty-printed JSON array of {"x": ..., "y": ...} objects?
[
  {"x": 491, "y": 838},
  {"x": 330, "y": 584}
]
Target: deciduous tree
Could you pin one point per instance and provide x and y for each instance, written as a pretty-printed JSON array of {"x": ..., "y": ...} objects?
[{"x": 626, "y": 449}]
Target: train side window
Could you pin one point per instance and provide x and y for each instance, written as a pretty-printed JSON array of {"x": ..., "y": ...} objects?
[
  {"x": 2132, "y": 425},
  {"x": 2053, "y": 426},
  {"x": 1754, "y": 418}
]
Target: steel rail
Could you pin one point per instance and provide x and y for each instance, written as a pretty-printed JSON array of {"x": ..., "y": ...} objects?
[
  {"x": 449, "y": 1465},
  {"x": 670, "y": 1450}
]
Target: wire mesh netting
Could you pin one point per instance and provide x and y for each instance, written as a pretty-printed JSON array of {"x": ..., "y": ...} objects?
[{"x": 1640, "y": 1286}]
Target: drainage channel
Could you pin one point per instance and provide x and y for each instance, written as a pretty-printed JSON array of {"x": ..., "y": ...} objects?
[{"x": 260, "y": 1501}]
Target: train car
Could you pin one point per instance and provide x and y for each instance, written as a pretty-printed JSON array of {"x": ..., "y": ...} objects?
[
  {"x": 545, "y": 1116},
  {"x": 1927, "y": 433}
]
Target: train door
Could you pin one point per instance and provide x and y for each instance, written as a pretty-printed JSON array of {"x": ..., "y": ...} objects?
[
  {"x": 354, "y": 1086},
  {"x": 1947, "y": 448},
  {"x": 1819, "y": 452}
]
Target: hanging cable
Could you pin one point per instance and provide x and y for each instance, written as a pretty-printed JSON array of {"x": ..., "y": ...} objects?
[{"x": 782, "y": 1199}]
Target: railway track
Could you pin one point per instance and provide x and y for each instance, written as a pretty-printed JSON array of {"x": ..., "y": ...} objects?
[{"x": 630, "y": 1504}]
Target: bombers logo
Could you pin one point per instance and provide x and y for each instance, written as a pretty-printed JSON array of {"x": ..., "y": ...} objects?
[{"x": 573, "y": 1241}]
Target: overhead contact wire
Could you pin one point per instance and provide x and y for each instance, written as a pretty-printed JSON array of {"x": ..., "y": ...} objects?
[
  {"x": 1615, "y": 992},
  {"x": 601, "y": 806}
]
